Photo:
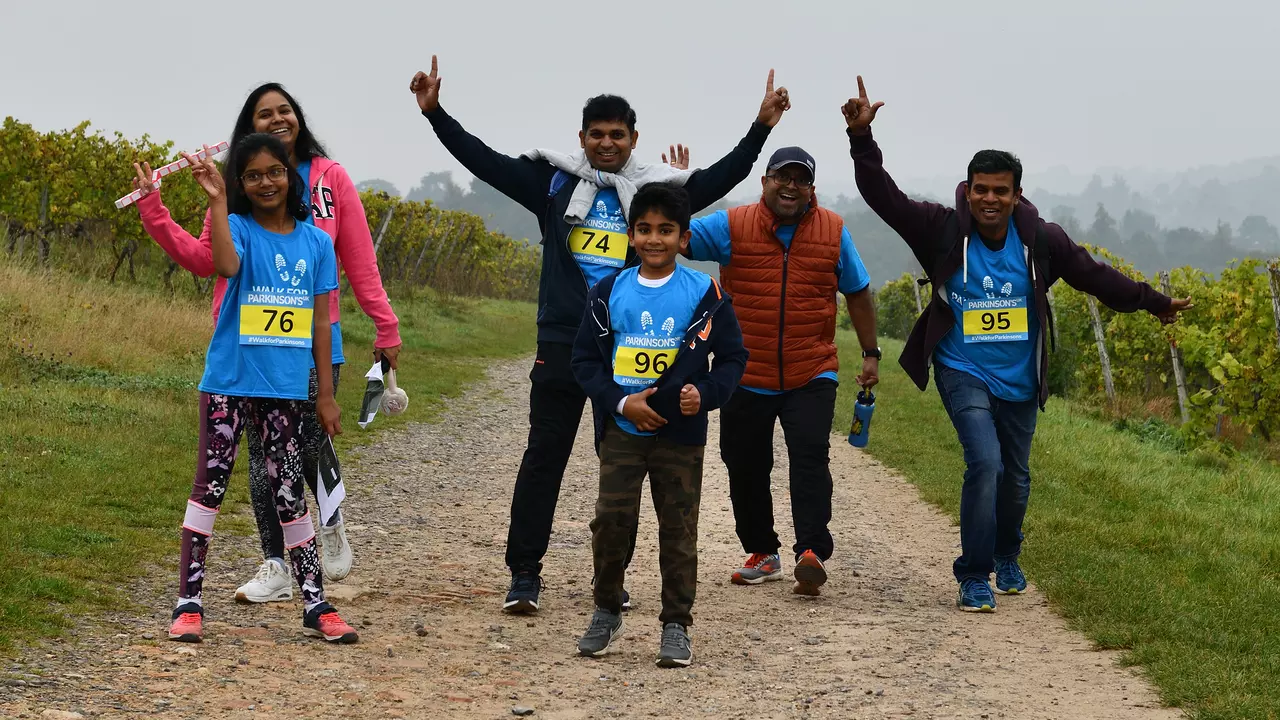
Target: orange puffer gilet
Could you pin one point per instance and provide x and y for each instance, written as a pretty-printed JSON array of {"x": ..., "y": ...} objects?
[{"x": 785, "y": 300}]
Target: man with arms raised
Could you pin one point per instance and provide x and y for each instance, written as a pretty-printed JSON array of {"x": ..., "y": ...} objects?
[
  {"x": 991, "y": 261},
  {"x": 581, "y": 201}
]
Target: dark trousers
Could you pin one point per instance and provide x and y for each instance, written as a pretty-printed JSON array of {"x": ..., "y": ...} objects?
[
  {"x": 555, "y": 409},
  {"x": 675, "y": 481},
  {"x": 746, "y": 446},
  {"x": 996, "y": 436}
]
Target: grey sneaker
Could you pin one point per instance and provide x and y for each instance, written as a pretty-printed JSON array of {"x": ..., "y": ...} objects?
[
  {"x": 675, "y": 650},
  {"x": 604, "y": 628}
]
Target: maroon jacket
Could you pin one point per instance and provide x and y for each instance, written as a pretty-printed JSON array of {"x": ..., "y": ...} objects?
[{"x": 934, "y": 232}]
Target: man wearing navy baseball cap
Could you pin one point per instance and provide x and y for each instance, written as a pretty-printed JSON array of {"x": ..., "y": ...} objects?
[{"x": 783, "y": 261}]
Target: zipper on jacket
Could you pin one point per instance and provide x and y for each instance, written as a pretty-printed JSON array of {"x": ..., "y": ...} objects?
[{"x": 782, "y": 314}]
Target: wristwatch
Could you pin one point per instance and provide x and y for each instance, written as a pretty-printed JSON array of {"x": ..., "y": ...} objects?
[{"x": 871, "y": 353}]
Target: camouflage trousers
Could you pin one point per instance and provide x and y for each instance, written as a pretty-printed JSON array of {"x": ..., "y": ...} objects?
[{"x": 675, "y": 480}]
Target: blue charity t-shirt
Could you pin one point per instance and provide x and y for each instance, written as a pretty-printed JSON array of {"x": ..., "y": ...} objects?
[
  {"x": 648, "y": 326},
  {"x": 304, "y": 170},
  {"x": 261, "y": 346},
  {"x": 599, "y": 244},
  {"x": 996, "y": 324},
  {"x": 711, "y": 241}
]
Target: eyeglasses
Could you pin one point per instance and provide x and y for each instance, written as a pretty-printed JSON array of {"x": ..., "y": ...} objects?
[
  {"x": 785, "y": 180},
  {"x": 253, "y": 177}
]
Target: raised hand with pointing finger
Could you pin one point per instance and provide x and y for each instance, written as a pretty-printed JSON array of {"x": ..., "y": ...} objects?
[
  {"x": 774, "y": 104},
  {"x": 859, "y": 112},
  {"x": 427, "y": 87}
]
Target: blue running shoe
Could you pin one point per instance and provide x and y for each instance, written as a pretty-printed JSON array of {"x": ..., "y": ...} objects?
[
  {"x": 1009, "y": 578},
  {"x": 522, "y": 598},
  {"x": 975, "y": 596}
]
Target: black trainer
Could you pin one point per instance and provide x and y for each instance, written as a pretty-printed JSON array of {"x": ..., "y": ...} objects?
[
  {"x": 675, "y": 650},
  {"x": 523, "y": 595},
  {"x": 604, "y": 628}
]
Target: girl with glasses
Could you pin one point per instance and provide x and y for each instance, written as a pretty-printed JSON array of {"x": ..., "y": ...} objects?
[
  {"x": 274, "y": 326},
  {"x": 333, "y": 206}
]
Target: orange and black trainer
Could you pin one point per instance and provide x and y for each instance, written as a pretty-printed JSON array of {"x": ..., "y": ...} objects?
[{"x": 811, "y": 575}]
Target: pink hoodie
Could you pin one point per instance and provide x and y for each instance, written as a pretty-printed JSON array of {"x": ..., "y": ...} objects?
[{"x": 337, "y": 210}]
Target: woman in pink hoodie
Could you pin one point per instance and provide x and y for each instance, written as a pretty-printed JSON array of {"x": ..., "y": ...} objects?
[{"x": 336, "y": 209}]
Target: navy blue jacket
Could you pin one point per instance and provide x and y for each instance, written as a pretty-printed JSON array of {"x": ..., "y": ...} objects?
[
  {"x": 714, "y": 331},
  {"x": 562, "y": 287}
]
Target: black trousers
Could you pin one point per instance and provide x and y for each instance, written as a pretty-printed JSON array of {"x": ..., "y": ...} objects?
[
  {"x": 746, "y": 446},
  {"x": 555, "y": 409}
]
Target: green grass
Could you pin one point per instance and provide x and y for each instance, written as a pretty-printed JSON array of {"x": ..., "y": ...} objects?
[
  {"x": 1167, "y": 555},
  {"x": 98, "y": 432}
]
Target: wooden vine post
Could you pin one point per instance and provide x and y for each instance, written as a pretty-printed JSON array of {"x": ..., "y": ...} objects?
[
  {"x": 1179, "y": 376},
  {"x": 1105, "y": 360}
]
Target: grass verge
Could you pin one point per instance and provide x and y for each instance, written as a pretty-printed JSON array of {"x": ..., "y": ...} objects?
[
  {"x": 1168, "y": 555},
  {"x": 98, "y": 426}
]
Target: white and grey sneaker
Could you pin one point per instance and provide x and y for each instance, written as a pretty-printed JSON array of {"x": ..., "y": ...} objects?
[
  {"x": 272, "y": 583},
  {"x": 675, "y": 650},
  {"x": 336, "y": 555},
  {"x": 604, "y": 629}
]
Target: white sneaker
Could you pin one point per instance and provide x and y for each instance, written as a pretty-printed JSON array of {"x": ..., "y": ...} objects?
[
  {"x": 272, "y": 583},
  {"x": 336, "y": 551}
]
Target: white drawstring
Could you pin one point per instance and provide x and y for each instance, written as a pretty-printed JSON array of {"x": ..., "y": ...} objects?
[{"x": 966, "y": 261}]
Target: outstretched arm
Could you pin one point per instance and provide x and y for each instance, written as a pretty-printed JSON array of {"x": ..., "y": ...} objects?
[
  {"x": 916, "y": 222},
  {"x": 1116, "y": 290},
  {"x": 710, "y": 184},
  {"x": 193, "y": 255},
  {"x": 520, "y": 179}
]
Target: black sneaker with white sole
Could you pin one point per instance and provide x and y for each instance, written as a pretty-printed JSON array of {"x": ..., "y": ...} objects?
[
  {"x": 676, "y": 650},
  {"x": 605, "y": 627},
  {"x": 523, "y": 595}
]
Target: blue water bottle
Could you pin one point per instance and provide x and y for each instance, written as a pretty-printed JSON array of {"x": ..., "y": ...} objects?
[{"x": 860, "y": 430}]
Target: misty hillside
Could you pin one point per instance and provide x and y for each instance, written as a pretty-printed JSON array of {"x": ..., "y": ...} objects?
[{"x": 1201, "y": 217}]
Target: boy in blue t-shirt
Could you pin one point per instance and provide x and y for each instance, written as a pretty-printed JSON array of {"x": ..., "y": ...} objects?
[{"x": 641, "y": 355}]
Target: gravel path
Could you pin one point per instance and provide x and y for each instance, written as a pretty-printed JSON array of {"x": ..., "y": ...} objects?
[{"x": 427, "y": 518}]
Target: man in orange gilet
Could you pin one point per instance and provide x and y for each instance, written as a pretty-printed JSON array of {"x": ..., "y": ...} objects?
[{"x": 784, "y": 259}]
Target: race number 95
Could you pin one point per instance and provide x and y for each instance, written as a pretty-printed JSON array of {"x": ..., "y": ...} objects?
[{"x": 995, "y": 320}]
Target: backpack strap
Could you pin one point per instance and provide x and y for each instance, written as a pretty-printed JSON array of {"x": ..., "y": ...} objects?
[{"x": 557, "y": 181}]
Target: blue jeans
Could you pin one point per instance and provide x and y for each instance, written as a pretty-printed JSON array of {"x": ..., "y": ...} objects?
[{"x": 996, "y": 437}]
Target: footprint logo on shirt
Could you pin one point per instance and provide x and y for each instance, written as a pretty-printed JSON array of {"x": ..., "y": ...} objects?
[
  {"x": 988, "y": 286},
  {"x": 646, "y": 321},
  {"x": 602, "y": 208},
  {"x": 1006, "y": 289},
  {"x": 294, "y": 278},
  {"x": 668, "y": 325}
]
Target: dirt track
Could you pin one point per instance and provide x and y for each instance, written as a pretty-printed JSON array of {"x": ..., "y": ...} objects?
[{"x": 427, "y": 518}]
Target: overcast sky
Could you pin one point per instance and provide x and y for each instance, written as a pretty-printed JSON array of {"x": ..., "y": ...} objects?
[{"x": 1080, "y": 84}]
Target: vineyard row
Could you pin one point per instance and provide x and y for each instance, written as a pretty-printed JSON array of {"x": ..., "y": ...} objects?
[{"x": 57, "y": 191}]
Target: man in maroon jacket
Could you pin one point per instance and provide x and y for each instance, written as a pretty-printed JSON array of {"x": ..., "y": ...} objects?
[{"x": 991, "y": 261}]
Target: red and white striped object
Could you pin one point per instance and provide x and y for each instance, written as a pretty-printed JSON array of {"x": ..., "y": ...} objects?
[{"x": 169, "y": 169}]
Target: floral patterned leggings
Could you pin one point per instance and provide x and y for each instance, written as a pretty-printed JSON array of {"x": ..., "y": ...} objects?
[
  {"x": 261, "y": 492},
  {"x": 279, "y": 425}
]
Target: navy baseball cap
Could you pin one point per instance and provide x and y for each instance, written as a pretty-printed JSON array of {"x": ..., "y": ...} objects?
[{"x": 793, "y": 155}]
